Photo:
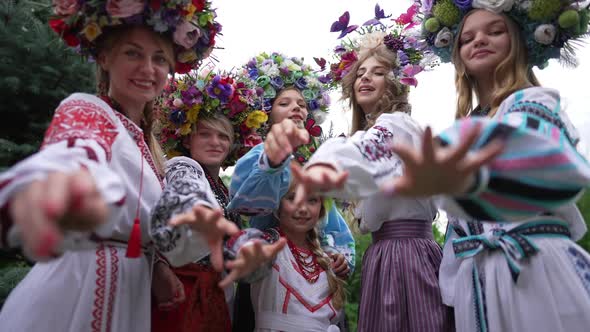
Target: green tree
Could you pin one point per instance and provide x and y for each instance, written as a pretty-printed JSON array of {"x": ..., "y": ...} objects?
[
  {"x": 38, "y": 71},
  {"x": 584, "y": 206}
]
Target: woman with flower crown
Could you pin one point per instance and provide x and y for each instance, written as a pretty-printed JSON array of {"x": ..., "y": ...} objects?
[
  {"x": 399, "y": 287},
  {"x": 297, "y": 101},
  {"x": 510, "y": 261},
  {"x": 202, "y": 116},
  {"x": 81, "y": 205}
]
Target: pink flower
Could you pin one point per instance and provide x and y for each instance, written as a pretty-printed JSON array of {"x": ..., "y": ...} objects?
[
  {"x": 124, "y": 8},
  {"x": 65, "y": 7},
  {"x": 252, "y": 140},
  {"x": 187, "y": 34}
]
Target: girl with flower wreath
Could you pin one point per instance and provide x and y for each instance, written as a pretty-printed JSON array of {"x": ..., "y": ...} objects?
[
  {"x": 81, "y": 205},
  {"x": 510, "y": 261},
  {"x": 297, "y": 101},
  {"x": 297, "y": 291},
  {"x": 399, "y": 285},
  {"x": 202, "y": 116}
]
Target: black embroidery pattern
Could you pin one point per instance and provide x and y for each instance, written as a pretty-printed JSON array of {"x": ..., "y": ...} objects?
[
  {"x": 540, "y": 111},
  {"x": 377, "y": 148},
  {"x": 181, "y": 193}
]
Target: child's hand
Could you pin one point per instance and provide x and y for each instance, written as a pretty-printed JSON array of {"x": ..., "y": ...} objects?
[
  {"x": 250, "y": 258},
  {"x": 45, "y": 209},
  {"x": 168, "y": 290},
  {"x": 211, "y": 224},
  {"x": 283, "y": 138},
  {"x": 339, "y": 265},
  {"x": 317, "y": 178}
]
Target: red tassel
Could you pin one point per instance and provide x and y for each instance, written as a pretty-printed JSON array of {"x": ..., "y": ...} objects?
[{"x": 134, "y": 243}]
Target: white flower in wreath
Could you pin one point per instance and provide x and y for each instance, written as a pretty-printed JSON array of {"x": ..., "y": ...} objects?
[
  {"x": 524, "y": 5},
  {"x": 495, "y": 6},
  {"x": 319, "y": 116},
  {"x": 270, "y": 69},
  {"x": 444, "y": 38},
  {"x": 545, "y": 34}
]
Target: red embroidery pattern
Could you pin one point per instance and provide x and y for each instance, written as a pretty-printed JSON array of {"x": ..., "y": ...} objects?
[
  {"x": 79, "y": 119},
  {"x": 113, "y": 289},
  {"x": 141, "y": 144},
  {"x": 100, "y": 289},
  {"x": 377, "y": 148},
  {"x": 101, "y": 284}
]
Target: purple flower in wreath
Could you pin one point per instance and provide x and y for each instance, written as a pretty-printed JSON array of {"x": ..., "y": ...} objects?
[
  {"x": 191, "y": 96},
  {"x": 313, "y": 105},
  {"x": 284, "y": 71},
  {"x": 220, "y": 89},
  {"x": 253, "y": 73},
  {"x": 178, "y": 117},
  {"x": 277, "y": 82},
  {"x": 324, "y": 79},
  {"x": 464, "y": 5},
  {"x": 267, "y": 106},
  {"x": 339, "y": 49},
  {"x": 259, "y": 91},
  {"x": 403, "y": 58},
  {"x": 301, "y": 83}
]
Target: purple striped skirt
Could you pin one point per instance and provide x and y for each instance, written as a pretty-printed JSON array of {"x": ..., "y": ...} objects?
[{"x": 399, "y": 283}]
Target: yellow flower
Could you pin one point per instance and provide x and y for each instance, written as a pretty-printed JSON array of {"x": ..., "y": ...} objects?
[
  {"x": 187, "y": 56},
  {"x": 91, "y": 31},
  {"x": 193, "y": 113},
  {"x": 190, "y": 10},
  {"x": 173, "y": 153},
  {"x": 103, "y": 21},
  {"x": 185, "y": 129},
  {"x": 256, "y": 119},
  {"x": 181, "y": 86}
]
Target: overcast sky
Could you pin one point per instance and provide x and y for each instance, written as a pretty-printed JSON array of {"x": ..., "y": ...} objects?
[{"x": 302, "y": 28}]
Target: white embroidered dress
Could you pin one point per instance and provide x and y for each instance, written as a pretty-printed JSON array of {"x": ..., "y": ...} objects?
[
  {"x": 285, "y": 301},
  {"x": 92, "y": 286}
]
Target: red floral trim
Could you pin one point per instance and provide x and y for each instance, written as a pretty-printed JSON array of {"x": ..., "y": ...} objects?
[
  {"x": 286, "y": 302},
  {"x": 137, "y": 135},
  {"x": 99, "y": 290},
  {"x": 79, "y": 119},
  {"x": 101, "y": 284},
  {"x": 113, "y": 288},
  {"x": 302, "y": 300}
]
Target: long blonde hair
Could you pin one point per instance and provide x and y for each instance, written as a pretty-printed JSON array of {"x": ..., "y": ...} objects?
[
  {"x": 112, "y": 40},
  {"x": 394, "y": 99},
  {"x": 335, "y": 284},
  {"x": 511, "y": 75}
]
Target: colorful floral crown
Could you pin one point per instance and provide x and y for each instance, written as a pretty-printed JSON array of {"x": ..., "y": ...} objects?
[
  {"x": 190, "y": 23},
  {"x": 548, "y": 26},
  {"x": 413, "y": 55},
  {"x": 204, "y": 95},
  {"x": 268, "y": 74}
]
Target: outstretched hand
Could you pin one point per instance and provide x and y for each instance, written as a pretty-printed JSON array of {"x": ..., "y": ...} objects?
[
  {"x": 250, "y": 258},
  {"x": 211, "y": 224},
  {"x": 284, "y": 138},
  {"x": 317, "y": 178},
  {"x": 63, "y": 202},
  {"x": 440, "y": 170}
]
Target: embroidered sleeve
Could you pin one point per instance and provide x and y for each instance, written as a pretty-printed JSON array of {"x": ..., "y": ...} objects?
[
  {"x": 81, "y": 135},
  {"x": 539, "y": 169},
  {"x": 336, "y": 237},
  {"x": 245, "y": 238},
  {"x": 366, "y": 155},
  {"x": 256, "y": 188},
  {"x": 186, "y": 186}
]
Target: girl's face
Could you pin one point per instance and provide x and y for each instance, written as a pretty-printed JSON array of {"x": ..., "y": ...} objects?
[
  {"x": 138, "y": 67},
  {"x": 484, "y": 43},
  {"x": 369, "y": 85},
  {"x": 289, "y": 104},
  {"x": 209, "y": 146},
  {"x": 302, "y": 218}
]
